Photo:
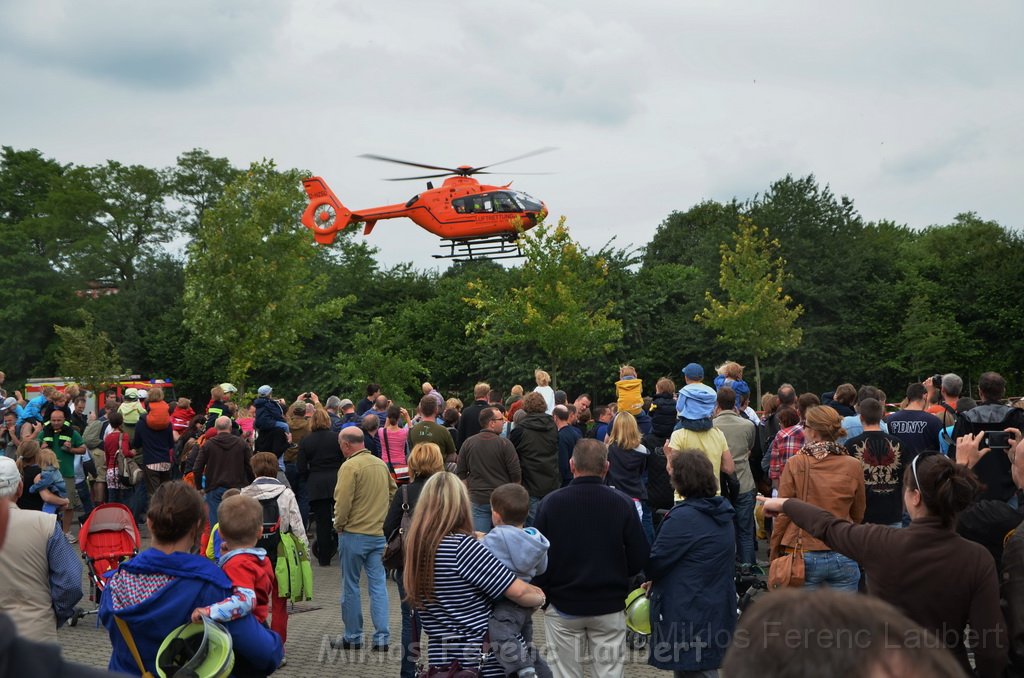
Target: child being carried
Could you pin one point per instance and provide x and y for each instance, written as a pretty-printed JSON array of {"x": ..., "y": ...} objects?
[{"x": 525, "y": 552}]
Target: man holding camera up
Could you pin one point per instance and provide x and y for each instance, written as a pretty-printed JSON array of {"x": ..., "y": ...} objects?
[{"x": 991, "y": 417}]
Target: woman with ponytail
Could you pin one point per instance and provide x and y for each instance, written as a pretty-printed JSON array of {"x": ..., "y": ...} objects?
[
  {"x": 936, "y": 577},
  {"x": 822, "y": 474}
]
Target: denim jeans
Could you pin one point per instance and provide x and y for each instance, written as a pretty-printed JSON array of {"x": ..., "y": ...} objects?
[
  {"x": 746, "y": 546},
  {"x": 647, "y": 522},
  {"x": 358, "y": 551},
  {"x": 831, "y": 570},
  {"x": 408, "y": 666},
  {"x": 213, "y": 498},
  {"x": 482, "y": 517}
]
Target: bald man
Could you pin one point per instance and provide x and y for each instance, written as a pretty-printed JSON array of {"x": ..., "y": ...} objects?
[{"x": 361, "y": 500}]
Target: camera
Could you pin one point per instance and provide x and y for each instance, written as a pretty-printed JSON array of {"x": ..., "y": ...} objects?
[
  {"x": 997, "y": 440},
  {"x": 937, "y": 381},
  {"x": 307, "y": 397}
]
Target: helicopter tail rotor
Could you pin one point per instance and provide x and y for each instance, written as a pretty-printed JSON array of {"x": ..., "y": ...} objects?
[{"x": 325, "y": 215}]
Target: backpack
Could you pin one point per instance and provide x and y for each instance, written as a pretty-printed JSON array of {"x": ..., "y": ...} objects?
[{"x": 271, "y": 538}]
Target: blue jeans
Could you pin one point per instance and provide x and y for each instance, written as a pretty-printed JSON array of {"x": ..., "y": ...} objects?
[
  {"x": 358, "y": 551},
  {"x": 213, "y": 498},
  {"x": 408, "y": 666},
  {"x": 647, "y": 522},
  {"x": 482, "y": 517},
  {"x": 746, "y": 548},
  {"x": 831, "y": 570}
]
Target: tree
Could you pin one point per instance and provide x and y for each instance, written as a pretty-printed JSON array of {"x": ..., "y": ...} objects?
[
  {"x": 87, "y": 355},
  {"x": 552, "y": 306},
  {"x": 198, "y": 181},
  {"x": 250, "y": 287},
  {"x": 756, "y": 318},
  {"x": 393, "y": 364}
]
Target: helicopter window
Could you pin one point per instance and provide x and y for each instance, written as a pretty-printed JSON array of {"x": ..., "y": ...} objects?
[
  {"x": 504, "y": 202},
  {"x": 474, "y": 204},
  {"x": 527, "y": 202}
]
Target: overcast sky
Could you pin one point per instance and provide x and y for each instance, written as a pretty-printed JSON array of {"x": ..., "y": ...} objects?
[{"x": 913, "y": 109}]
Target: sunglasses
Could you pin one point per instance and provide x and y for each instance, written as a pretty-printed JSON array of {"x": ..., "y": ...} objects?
[{"x": 913, "y": 468}]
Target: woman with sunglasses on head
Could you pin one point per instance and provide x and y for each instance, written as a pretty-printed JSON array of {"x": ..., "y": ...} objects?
[{"x": 936, "y": 577}]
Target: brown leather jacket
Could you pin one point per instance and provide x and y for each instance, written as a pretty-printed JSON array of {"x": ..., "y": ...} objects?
[{"x": 835, "y": 483}]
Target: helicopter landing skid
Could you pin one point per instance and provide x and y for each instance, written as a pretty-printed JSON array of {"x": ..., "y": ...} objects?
[{"x": 469, "y": 249}]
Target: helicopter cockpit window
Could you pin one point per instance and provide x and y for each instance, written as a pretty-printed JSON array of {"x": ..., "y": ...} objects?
[
  {"x": 504, "y": 202},
  {"x": 527, "y": 202}
]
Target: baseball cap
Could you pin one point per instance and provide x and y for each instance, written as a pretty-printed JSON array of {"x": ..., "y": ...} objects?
[
  {"x": 264, "y": 390},
  {"x": 9, "y": 476},
  {"x": 693, "y": 371},
  {"x": 228, "y": 387},
  {"x": 9, "y": 402},
  {"x": 345, "y": 402},
  {"x": 143, "y": 394}
]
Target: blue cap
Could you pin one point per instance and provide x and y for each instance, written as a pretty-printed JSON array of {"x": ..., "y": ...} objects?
[
  {"x": 693, "y": 371},
  {"x": 264, "y": 391}
]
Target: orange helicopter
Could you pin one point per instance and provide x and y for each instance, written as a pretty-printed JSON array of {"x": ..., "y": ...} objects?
[{"x": 474, "y": 220}]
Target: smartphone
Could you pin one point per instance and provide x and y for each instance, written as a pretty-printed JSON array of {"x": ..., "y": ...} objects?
[{"x": 997, "y": 440}]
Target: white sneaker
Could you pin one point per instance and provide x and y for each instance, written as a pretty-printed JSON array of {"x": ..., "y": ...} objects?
[{"x": 72, "y": 539}]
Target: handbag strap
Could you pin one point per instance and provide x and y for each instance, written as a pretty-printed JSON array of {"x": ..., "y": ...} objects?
[
  {"x": 406, "y": 510},
  {"x": 803, "y": 497},
  {"x": 130, "y": 641},
  {"x": 387, "y": 448}
]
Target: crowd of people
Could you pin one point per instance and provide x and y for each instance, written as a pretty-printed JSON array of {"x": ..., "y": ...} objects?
[{"x": 486, "y": 511}]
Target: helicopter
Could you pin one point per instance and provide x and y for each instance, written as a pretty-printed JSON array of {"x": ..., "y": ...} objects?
[{"x": 474, "y": 220}]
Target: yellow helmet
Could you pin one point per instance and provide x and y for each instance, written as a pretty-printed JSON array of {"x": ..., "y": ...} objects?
[
  {"x": 202, "y": 650},
  {"x": 638, "y": 612}
]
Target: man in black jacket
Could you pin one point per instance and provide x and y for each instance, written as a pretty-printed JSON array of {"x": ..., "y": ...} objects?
[
  {"x": 993, "y": 470},
  {"x": 536, "y": 439},
  {"x": 469, "y": 422},
  {"x": 597, "y": 544}
]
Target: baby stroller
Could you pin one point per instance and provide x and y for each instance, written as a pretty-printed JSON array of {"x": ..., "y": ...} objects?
[{"x": 108, "y": 537}]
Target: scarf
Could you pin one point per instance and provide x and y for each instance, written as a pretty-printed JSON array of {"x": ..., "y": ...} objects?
[{"x": 822, "y": 450}]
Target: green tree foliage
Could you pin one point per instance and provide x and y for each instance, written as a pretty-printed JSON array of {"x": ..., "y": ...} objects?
[
  {"x": 552, "y": 305},
  {"x": 87, "y": 355},
  {"x": 756, "y": 317},
  {"x": 249, "y": 289},
  {"x": 198, "y": 180},
  {"x": 883, "y": 303}
]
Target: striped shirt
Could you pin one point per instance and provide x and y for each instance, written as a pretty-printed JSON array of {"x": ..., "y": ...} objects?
[{"x": 467, "y": 579}]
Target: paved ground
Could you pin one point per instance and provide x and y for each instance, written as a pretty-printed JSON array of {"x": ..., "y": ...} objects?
[{"x": 309, "y": 633}]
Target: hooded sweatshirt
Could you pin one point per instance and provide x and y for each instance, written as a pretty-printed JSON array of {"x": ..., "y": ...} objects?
[
  {"x": 155, "y": 592},
  {"x": 695, "y": 404},
  {"x": 522, "y": 550},
  {"x": 264, "y": 488}
]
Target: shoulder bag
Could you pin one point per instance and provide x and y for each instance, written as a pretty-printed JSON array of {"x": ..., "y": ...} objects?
[
  {"x": 128, "y": 470},
  {"x": 394, "y": 550},
  {"x": 788, "y": 571}
]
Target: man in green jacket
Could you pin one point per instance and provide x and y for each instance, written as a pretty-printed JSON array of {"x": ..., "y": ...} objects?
[{"x": 361, "y": 500}]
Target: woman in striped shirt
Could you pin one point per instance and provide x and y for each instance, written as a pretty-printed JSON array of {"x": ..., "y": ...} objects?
[{"x": 453, "y": 580}]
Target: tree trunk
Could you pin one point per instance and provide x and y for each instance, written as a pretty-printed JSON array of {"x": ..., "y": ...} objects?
[{"x": 757, "y": 379}]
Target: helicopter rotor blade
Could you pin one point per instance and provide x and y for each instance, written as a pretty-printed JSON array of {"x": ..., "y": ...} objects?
[
  {"x": 520, "y": 174},
  {"x": 426, "y": 176},
  {"x": 371, "y": 156},
  {"x": 546, "y": 149}
]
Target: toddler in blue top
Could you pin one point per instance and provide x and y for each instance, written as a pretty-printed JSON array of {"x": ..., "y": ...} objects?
[{"x": 51, "y": 481}]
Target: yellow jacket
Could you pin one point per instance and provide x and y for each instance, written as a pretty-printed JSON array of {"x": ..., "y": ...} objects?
[
  {"x": 363, "y": 495},
  {"x": 630, "y": 395}
]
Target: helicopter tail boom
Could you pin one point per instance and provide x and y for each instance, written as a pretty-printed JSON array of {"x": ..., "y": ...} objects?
[{"x": 325, "y": 215}]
